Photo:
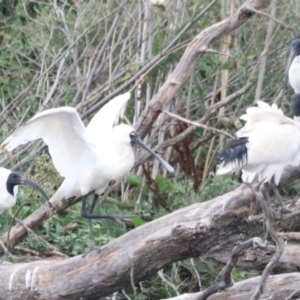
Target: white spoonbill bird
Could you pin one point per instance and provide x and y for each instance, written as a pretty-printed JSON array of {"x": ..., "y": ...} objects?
[
  {"x": 9, "y": 182},
  {"x": 292, "y": 72},
  {"x": 87, "y": 157},
  {"x": 267, "y": 143}
]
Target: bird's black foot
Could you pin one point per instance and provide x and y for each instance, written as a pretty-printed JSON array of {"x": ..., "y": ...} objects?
[{"x": 124, "y": 220}]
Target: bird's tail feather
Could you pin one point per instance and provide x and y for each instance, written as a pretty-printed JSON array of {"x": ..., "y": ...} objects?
[{"x": 233, "y": 157}]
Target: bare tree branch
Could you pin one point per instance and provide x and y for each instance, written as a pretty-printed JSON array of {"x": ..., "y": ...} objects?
[
  {"x": 189, "y": 59},
  {"x": 273, "y": 19},
  {"x": 276, "y": 238},
  {"x": 227, "y": 282},
  {"x": 197, "y": 124}
]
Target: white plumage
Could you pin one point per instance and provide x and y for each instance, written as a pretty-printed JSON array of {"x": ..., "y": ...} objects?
[
  {"x": 9, "y": 182},
  {"x": 88, "y": 158},
  {"x": 292, "y": 73},
  {"x": 158, "y": 2},
  {"x": 162, "y": 4},
  {"x": 267, "y": 143},
  {"x": 7, "y": 200}
]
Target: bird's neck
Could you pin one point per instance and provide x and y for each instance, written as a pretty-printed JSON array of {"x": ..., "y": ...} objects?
[
  {"x": 10, "y": 187},
  {"x": 115, "y": 149},
  {"x": 296, "y": 106}
]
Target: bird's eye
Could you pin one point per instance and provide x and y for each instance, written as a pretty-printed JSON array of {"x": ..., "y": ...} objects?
[{"x": 132, "y": 133}]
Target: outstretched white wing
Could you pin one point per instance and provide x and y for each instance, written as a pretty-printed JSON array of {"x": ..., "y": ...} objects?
[
  {"x": 102, "y": 123},
  {"x": 64, "y": 133}
]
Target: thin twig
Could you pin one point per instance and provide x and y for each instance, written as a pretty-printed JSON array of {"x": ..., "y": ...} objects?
[
  {"x": 215, "y": 130},
  {"x": 29, "y": 230},
  {"x": 178, "y": 138},
  {"x": 265, "y": 53},
  {"x": 293, "y": 295},
  {"x": 255, "y": 242},
  {"x": 272, "y": 18},
  {"x": 291, "y": 215},
  {"x": 125, "y": 295},
  {"x": 196, "y": 272},
  {"x": 276, "y": 238},
  {"x": 27, "y": 251},
  {"x": 167, "y": 282}
]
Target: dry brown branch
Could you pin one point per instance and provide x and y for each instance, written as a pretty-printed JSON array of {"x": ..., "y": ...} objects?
[
  {"x": 227, "y": 281},
  {"x": 271, "y": 17},
  {"x": 37, "y": 218},
  {"x": 197, "y": 124},
  {"x": 100, "y": 51},
  {"x": 276, "y": 238},
  {"x": 169, "y": 49},
  {"x": 189, "y": 59},
  {"x": 293, "y": 295},
  {"x": 30, "y": 231},
  {"x": 257, "y": 259},
  {"x": 180, "y": 137},
  {"x": 265, "y": 53}
]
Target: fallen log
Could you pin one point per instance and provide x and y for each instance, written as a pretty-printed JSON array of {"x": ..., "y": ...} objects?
[
  {"x": 189, "y": 232},
  {"x": 278, "y": 287}
]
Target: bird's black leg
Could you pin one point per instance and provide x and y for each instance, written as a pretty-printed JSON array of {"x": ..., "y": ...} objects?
[
  {"x": 265, "y": 191},
  {"x": 83, "y": 206},
  {"x": 85, "y": 214},
  {"x": 90, "y": 216},
  {"x": 92, "y": 238}
]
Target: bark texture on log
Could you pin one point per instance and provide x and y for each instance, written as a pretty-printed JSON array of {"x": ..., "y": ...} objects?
[
  {"x": 278, "y": 287},
  {"x": 140, "y": 253},
  {"x": 192, "y": 231},
  {"x": 256, "y": 259}
]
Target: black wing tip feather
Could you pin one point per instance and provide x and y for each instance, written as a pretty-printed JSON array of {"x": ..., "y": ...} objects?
[{"x": 235, "y": 152}]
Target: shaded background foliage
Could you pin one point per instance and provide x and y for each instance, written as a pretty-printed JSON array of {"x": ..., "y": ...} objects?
[{"x": 56, "y": 53}]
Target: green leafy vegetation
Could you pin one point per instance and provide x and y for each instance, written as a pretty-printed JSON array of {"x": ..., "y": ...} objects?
[{"x": 57, "y": 53}]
